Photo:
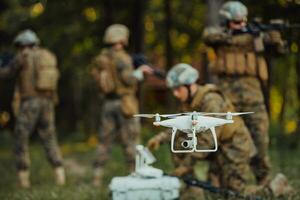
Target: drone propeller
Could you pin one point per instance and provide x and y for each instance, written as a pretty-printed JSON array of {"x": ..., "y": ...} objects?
[
  {"x": 228, "y": 113},
  {"x": 157, "y": 116}
]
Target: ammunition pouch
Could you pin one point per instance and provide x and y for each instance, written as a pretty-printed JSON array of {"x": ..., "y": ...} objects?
[{"x": 240, "y": 60}]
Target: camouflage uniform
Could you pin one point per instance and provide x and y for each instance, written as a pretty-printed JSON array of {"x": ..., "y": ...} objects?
[
  {"x": 120, "y": 104},
  {"x": 229, "y": 167},
  {"x": 36, "y": 110},
  {"x": 240, "y": 71}
]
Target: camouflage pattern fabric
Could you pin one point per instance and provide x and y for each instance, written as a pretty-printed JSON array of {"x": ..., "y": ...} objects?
[
  {"x": 36, "y": 114},
  {"x": 241, "y": 82},
  {"x": 117, "y": 122},
  {"x": 229, "y": 167},
  {"x": 245, "y": 93},
  {"x": 116, "y": 127},
  {"x": 35, "y": 109}
]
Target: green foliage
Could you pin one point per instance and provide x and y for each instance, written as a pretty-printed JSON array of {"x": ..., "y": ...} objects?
[{"x": 78, "y": 163}]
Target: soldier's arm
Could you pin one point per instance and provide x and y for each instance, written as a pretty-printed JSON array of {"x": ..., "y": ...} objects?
[
  {"x": 127, "y": 75},
  {"x": 157, "y": 140},
  {"x": 164, "y": 136},
  {"x": 214, "y": 36},
  {"x": 11, "y": 69},
  {"x": 273, "y": 38}
]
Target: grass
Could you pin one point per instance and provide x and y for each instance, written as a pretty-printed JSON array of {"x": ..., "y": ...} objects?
[{"x": 78, "y": 158}]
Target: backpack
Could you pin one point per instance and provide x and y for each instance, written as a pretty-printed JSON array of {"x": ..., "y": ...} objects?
[
  {"x": 103, "y": 72},
  {"x": 46, "y": 72}
]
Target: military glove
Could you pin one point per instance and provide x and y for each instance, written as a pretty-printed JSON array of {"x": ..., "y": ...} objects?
[
  {"x": 153, "y": 144},
  {"x": 138, "y": 74}
]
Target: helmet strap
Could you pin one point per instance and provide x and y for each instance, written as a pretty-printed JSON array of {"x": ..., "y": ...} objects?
[{"x": 189, "y": 99}]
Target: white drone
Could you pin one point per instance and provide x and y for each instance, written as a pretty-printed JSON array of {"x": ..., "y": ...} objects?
[{"x": 192, "y": 123}]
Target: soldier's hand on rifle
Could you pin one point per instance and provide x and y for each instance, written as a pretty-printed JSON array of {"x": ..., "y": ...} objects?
[
  {"x": 153, "y": 144},
  {"x": 146, "y": 69},
  {"x": 275, "y": 36}
]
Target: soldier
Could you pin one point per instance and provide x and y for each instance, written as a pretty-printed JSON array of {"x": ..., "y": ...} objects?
[
  {"x": 240, "y": 70},
  {"x": 229, "y": 167},
  {"x": 117, "y": 80},
  {"x": 37, "y": 75},
  {"x": 230, "y": 164}
]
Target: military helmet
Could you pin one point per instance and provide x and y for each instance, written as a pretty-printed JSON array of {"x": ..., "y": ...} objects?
[
  {"x": 233, "y": 10},
  {"x": 181, "y": 74},
  {"x": 26, "y": 37},
  {"x": 116, "y": 33}
]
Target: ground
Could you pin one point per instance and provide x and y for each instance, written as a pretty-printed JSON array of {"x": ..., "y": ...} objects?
[{"x": 78, "y": 158}]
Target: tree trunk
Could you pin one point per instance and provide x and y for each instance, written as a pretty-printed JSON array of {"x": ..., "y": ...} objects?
[
  {"x": 108, "y": 12},
  {"x": 266, "y": 88},
  {"x": 298, "y": 92},
  {"x": 137, "y": 38},
  {"x": 168, "y": 26},
  {"x": 137, "y": 26},
  {"x": 211, "y": 19},
  {"x": 212, "y": 12}
]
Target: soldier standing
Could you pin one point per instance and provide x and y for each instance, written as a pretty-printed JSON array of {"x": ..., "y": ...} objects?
[
  {"x": 240, "y": 70},
  {"x": 37, "y": 75},
  {"x": 117, "y": 80}
]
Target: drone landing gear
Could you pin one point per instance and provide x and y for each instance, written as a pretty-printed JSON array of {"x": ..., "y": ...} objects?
[
  {"x": 174, "y": 130},
  {"x": 192, "y": 143},
  {"x": 214, "y": 135}
]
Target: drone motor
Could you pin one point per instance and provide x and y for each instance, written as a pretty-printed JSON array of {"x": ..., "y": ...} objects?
[{"x": 187, "y": 144}]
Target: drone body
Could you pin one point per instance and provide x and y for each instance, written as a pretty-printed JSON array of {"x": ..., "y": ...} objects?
[{"x": 192, "y": 124}]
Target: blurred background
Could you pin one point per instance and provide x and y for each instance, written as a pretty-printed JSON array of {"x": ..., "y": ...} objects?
[{"x": 168, "y": 32}]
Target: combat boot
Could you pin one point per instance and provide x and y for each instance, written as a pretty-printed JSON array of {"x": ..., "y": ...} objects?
[
  {"x": 97, "y": 179},
  {"x": 280, "y": 186},
  {"x": 60, "y": 177},
  {"x": 23, "y": 176}
]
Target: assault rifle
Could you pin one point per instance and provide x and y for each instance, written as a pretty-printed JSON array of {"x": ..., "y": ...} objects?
[
  {"x": 226, "y": 193},
  {"x": 141, "y": 59},
  {"x": 255, "y": 27},
  {"x": 275, "y": 24}
]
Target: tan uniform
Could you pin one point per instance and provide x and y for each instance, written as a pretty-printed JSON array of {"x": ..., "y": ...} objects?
[
  {"x": 240, "y": 71},
  {"x": 36, "y": 110},
  {"x": 229, "y": 166},
  {"x": 113, "y": 71}
]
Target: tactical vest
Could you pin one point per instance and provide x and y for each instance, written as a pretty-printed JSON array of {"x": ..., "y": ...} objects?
[
  {"x": 240, "y": 59},
  {"x": 38, "y": 75}
]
